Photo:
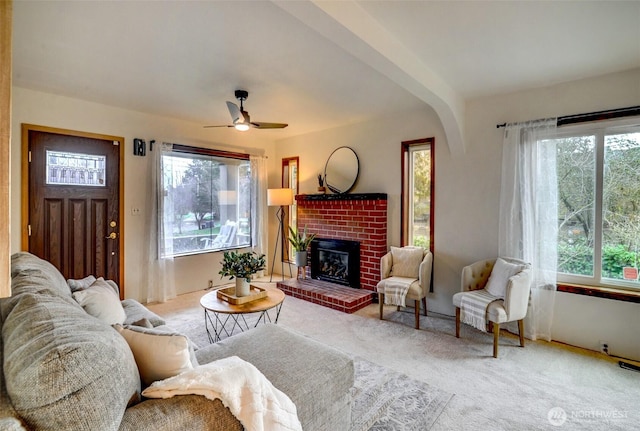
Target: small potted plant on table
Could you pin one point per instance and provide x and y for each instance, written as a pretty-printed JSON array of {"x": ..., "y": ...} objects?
[
  {"x": 300, "y": 244},
  {"x": 241, "y": 266}
]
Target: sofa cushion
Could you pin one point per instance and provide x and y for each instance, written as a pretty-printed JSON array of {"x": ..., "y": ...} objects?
[
  {"x": 186, "y": 412},
  {"x": 102, "y": 302},
  {"x": 327, "y": 373},
  {"x": 64, "y": 369},
  {"x": 38, "y": 275},
  {"x": 159, "y": 354}
]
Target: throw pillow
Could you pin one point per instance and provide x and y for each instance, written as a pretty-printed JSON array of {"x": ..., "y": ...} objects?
[
  {"x": 144, "y": 322},
  {"x": 159, "y": 355},
  {"x": 500, "y": 274},
  {"x": 101, "y": 301},
  {"x": 136, "y": 311},
  {"x": 406, "y": 261},
  {"x": 80, "y": 284}
]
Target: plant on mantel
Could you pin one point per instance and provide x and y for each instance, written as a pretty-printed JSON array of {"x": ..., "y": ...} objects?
[{"x": 321, "y": 187}]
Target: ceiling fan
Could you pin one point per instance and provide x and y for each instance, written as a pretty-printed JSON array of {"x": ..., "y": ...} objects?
[{"x": 241, "y": 119}]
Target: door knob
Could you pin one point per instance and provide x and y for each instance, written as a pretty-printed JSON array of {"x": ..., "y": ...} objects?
[{"x": 112, "y": 235}]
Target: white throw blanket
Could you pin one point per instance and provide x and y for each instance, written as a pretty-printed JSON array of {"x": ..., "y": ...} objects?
[
  {"x": 249, "y": 395},
  {"x": 473, "y": 308},
  {"x": 395, "y": 290}
]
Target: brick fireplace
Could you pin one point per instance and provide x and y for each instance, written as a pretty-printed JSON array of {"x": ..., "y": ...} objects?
[{"x": 356, "y": 217}]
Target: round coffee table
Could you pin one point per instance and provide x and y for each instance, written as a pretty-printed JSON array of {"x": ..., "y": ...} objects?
[{"x": 219, "y": 314}]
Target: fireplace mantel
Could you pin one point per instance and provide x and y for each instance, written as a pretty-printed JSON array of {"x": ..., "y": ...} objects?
[{"x": 343, "y": 197}]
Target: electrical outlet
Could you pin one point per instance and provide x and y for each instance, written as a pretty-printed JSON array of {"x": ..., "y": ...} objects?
[
  {"x": 135, "y": 211},
  {"x": 210, "y": 284},
  {"x": 604, "y": 347}
]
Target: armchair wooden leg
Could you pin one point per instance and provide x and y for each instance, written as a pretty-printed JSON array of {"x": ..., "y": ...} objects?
[
  {"x": 496, "y": 335},
  {"x": 521, "y": 331},
  {"x": 457, "y": 322},
  {"x": 424, "y": 305},
  {"x": 417, "y": 305},
  {"x": 381, "y": 301}
]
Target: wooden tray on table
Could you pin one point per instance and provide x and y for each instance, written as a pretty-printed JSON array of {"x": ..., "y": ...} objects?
[{"x": 228, "y": 294}]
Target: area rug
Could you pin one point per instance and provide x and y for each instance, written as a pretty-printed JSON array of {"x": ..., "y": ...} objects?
[{"x": 383, "y": 399}]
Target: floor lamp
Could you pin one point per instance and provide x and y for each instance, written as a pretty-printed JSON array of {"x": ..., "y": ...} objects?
[{"x": 280, "y": 198}]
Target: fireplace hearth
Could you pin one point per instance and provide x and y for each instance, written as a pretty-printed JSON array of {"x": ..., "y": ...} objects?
[{"x": 336, "y": 261}]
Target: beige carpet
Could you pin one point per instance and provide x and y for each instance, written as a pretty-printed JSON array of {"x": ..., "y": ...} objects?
[{"x": 539, "y": 387}]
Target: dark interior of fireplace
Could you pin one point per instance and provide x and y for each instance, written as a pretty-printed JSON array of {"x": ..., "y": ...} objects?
[{"x": 336, "y": 261}]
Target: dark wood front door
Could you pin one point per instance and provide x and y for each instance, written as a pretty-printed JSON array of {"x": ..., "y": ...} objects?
[{"x": 74, "y": 201}]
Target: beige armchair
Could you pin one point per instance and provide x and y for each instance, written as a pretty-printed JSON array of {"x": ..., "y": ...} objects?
[
  {"x": 513, "y": 306},
  {"x": 407, "y": 268}
]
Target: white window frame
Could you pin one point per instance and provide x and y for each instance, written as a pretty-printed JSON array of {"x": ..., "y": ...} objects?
[{"x": 599, "y": 130}]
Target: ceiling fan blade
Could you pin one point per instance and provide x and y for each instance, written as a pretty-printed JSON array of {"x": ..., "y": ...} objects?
[
  {"x": 236, "y": 113},
  {"x": 262, "y": 125},
  {"x": 224, "y": 125}
]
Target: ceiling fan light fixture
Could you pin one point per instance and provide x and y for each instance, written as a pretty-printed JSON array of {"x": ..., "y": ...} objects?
[
  {"x": 242, "y": 127},
  {"x": 241, "y": 119}
]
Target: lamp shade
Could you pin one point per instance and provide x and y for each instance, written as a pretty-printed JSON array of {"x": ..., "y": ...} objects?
[{"x": 279, "y": 197}]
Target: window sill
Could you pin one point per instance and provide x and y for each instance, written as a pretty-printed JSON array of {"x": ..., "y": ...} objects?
[{"x": 601, "y": 292}]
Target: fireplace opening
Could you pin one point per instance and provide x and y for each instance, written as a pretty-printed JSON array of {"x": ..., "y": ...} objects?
[{"x": 336, "y": 261}]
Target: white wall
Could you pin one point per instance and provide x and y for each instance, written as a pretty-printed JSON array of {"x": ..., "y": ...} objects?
[{"x": 192, "y": 272}]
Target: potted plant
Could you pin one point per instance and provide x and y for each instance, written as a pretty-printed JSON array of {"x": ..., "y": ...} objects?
[
  {"x": 300, "y": 244},
  {"x": 321, "y": 188},
  {"x": 241, "y": 266}
]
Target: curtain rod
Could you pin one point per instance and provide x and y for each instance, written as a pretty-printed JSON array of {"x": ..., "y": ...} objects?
[{"x": 594, "y": 116}]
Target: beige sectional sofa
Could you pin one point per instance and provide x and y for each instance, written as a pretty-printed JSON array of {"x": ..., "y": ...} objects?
[{"x": 64, "y": 369}]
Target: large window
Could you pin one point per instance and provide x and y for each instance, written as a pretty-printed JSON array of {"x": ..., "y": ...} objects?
[
  {"x": 207, "y": 200},
  {"x": 598, "y": 171},
  {"x": 417, "y": 192}
]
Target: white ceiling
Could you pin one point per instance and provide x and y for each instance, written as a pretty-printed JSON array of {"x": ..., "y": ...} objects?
[{"x": 314, "y": 65}]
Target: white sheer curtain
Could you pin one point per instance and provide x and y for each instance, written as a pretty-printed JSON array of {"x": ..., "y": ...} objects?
[
  {"x": 160, "y": 284},
  {"x": 259, "y": 214},
  {"x": 529, "y": 215}
]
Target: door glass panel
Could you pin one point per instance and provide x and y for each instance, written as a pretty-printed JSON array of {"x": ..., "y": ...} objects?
[{"x": 75, "y": 169}]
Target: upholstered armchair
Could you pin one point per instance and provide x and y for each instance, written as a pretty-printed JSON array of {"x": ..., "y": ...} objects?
[
  {"x": 405, "y": 274},
  {"x": 505, "y": 284}
]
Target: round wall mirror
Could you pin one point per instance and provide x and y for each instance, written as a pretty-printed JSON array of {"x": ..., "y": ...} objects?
[{"x": 341, "y": 170}]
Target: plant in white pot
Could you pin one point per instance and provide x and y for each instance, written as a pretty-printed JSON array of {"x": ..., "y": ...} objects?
[
  {"x": 300, "y": 243},
  {"x": 241, "y": 266}
]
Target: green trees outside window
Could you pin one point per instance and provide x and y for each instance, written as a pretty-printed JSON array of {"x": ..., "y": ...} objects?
[{"x": 599, "y": 205}]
